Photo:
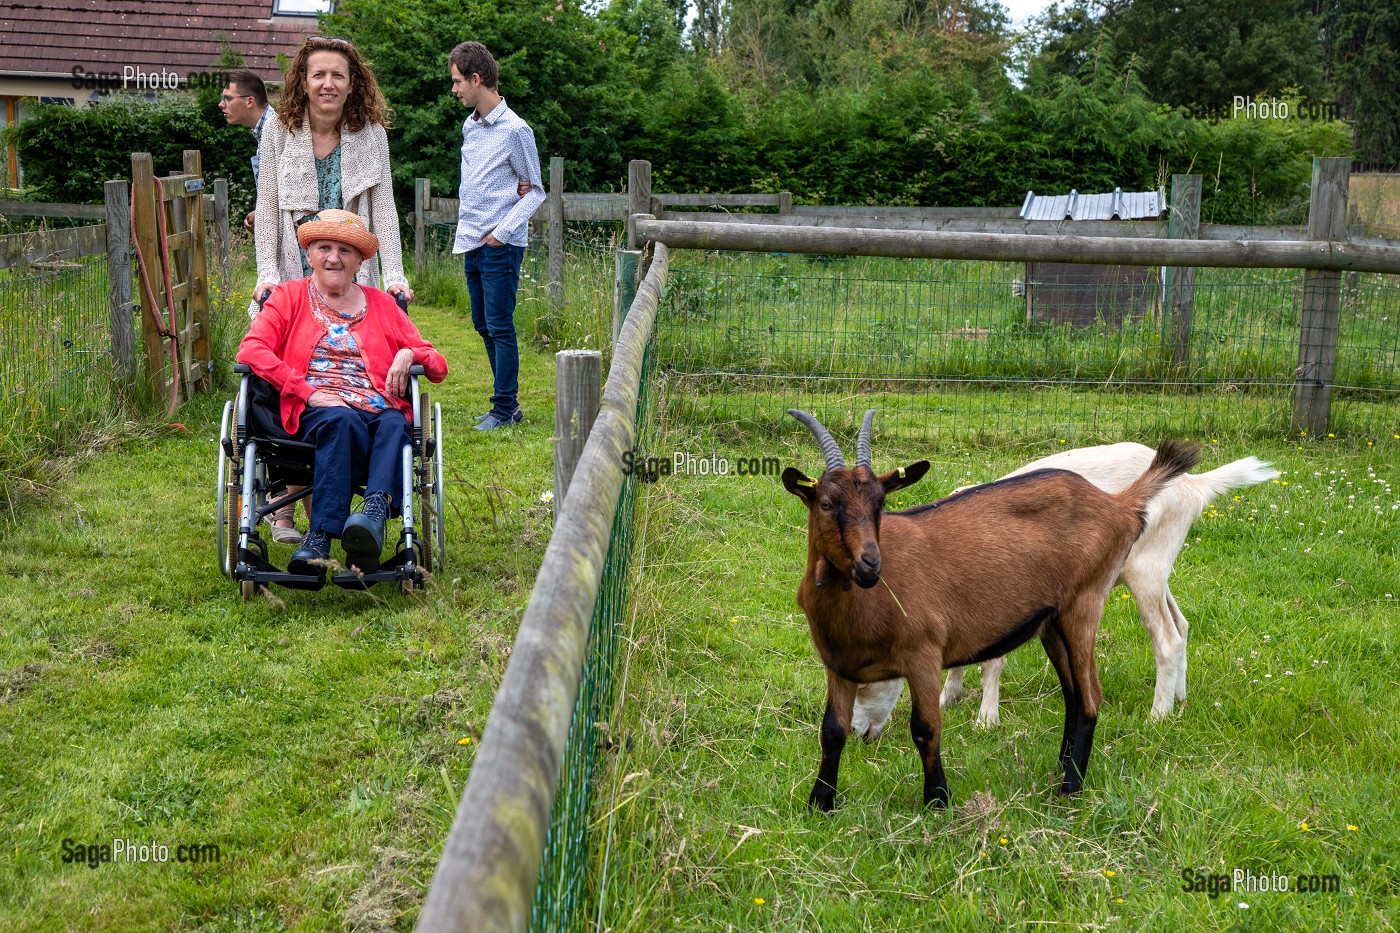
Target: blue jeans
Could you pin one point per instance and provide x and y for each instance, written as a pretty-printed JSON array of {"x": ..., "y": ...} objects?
[
  {"x": 493, "y": 276},
  {"x": 353, "y": 449}
]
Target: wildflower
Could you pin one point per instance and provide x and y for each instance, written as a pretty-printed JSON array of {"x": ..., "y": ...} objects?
[
  {"x": 547, "y": 496},
  {"x": 1243, "y": 906},
  {"x": 1117, "y": 900},
  {"x": 1109, "y": 872},
  {"x": 1002, "y": 840},
  {"x": 1305, "y": 827},
  {"x": 465, "y": 740},
  {"x": 759, "y": 901},
  {"x": 1351, "y": 827}
]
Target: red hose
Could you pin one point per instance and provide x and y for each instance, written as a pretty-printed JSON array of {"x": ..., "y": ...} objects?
[{"x": 166, "y": 332}]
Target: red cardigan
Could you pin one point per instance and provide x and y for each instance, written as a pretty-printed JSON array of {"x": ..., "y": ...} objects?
[{"x": 279, "y": 346}]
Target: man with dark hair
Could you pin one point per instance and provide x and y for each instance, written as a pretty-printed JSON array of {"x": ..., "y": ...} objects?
[
  {"x": 498, "y": 159},
  {"x": 244, "y": 102}
]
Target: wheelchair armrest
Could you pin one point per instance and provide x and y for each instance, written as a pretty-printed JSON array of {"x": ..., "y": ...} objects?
[
  {"x": 242, "y": 368},
  {"x": 416, "y": 369}
]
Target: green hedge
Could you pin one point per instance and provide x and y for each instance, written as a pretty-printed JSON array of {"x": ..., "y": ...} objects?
[{"x": 68, "y": 153}]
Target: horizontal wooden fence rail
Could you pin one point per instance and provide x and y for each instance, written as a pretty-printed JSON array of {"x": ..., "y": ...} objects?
[
  {"x": 1007, "y": 247},
  {"x": 21, "y": 249},
  {"x": 44, "y": 209},
  {"x": 485, "y": 879}
]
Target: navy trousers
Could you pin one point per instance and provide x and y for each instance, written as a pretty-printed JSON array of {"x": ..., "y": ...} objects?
[
  {"x": 493, "y": 277},
  {"x": 353, "y": 448}
]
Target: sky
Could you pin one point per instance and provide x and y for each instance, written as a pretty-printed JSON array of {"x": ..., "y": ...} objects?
[{"x": 1022, "y": 10}]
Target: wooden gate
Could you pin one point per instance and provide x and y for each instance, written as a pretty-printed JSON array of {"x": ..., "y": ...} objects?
[{"x": 173, "y": 281}]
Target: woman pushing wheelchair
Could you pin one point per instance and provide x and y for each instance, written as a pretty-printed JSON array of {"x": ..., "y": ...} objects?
[{"x": 338, "y": 354}]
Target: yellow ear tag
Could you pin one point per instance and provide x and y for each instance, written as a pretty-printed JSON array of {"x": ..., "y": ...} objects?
[
  {"x": 901, "y": 472},
  {"x": 807, "y": 482}
]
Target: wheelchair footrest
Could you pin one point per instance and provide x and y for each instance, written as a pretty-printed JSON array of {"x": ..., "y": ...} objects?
[
  {"x": 400, "y": 567},
  {"x": 255, "y": 567}
]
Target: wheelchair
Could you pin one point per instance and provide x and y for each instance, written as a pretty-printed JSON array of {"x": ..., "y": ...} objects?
[{"x": 258, "y": 460}]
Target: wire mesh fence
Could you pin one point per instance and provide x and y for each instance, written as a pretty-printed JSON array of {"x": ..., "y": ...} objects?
[
  {"x": 562, "y": 897},
  {"x": 55, "y": 343},
  {"x": 984, "y": 351}
]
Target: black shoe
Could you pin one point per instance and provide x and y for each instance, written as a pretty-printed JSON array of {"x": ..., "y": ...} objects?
[
  {"x": 363, "y": 537},
  {"x": 315, "y": 546}
]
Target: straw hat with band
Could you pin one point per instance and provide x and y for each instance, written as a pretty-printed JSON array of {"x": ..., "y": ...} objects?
[{"x": 340, "y": 226}]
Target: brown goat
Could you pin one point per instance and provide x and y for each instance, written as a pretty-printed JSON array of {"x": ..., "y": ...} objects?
[{"x": 962, "y": 580}]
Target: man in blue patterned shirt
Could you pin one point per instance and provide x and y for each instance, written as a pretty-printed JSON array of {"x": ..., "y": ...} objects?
[
  {"x": 244, "y": 102},
  {"x": 498, "y": 156}
]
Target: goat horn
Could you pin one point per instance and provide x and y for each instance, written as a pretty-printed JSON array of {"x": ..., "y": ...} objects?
[
  {"x": 830, "y": 450},
  {"x": 863, "y": 442}
]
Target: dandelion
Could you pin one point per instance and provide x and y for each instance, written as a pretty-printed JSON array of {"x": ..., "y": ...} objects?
[
  {"x": 465, "y": 740},
  {"x": 1002, "y": 840},
  {"x": 1305, "y": 827},
  {"x": 1351, "y": 827},
  {"x": 1109, "y": 872},
  {"x": 1117, "y": 900},
  {"x": 759, "y": 901}
]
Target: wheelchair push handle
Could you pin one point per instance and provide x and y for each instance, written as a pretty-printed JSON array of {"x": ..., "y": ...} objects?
[{"x": 401, "y": 299}]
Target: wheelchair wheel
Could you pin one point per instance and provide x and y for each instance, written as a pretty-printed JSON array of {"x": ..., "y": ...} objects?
[
  {"x": 439, "y": 516},
  {"x": 226, "y": 495},
  {"x": 424, "y": 512}
]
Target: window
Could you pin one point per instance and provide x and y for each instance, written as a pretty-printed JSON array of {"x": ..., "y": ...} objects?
[{"x": 301, "y": 7}]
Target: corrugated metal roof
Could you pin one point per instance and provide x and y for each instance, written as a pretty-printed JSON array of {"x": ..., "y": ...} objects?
[{"x": 1115, "y": 205}]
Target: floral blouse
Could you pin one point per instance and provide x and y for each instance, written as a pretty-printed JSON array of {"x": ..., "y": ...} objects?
[{"x": 336, "y": 363}]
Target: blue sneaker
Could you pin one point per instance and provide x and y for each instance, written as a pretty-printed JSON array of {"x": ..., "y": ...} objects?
[{"x": 490, "y": 421}]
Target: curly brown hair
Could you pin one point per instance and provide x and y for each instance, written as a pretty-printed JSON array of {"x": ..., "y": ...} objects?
[{"x": 364, "y": 105}]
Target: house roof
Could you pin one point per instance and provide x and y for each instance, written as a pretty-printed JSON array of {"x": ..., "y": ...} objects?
[
  {"x": 1114, "y": 205},
  {"x": 51, "y": 37}
]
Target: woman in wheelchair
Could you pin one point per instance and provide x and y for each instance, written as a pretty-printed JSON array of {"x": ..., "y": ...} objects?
[{"x": 338, "y": 354}]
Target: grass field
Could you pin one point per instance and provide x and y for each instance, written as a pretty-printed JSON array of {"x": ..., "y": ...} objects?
[
  {"x": 317, "y": 740},
  {"x": 1281, "y": 761},
  {"x": 320, "y": 741}
]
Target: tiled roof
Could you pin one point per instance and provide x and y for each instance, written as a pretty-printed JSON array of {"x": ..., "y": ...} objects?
[
  {"x": 50, "y": 37},
  {"x": 1115, "y": 205}
]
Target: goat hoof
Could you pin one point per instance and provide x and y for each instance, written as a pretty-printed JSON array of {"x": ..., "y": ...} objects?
[
  {"x": 939, "y": 799},
  {"x": 822, "y": 798}
]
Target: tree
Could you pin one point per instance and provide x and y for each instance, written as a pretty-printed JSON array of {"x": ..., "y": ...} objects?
[{"x": 566, "y": 72}]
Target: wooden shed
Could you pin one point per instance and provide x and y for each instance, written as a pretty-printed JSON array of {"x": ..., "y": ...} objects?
[{"x": 1085, "y": 294}]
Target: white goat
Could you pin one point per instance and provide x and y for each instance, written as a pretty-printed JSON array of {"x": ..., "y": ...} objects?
[{"x": 1111, "y": 467}]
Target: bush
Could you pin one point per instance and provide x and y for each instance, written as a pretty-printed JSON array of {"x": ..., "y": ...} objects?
[{"x": 69, "y": 152}]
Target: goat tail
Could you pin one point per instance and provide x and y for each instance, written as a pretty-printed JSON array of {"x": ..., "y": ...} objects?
[
  {"x": 1248, "y": 471},
  {"x": 1174, "y": 458}
]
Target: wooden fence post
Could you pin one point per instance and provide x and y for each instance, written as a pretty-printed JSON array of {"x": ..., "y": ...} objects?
[
  {"x": 784, "y": 202},
  {"x": 1317, "y": 338},
  {"x": 117, "y": 195},
  {"x": 578, "y": 381},
  {"x": 556, "y": 231},
  {"x": 222, "y": 233},
  {"x": 624, "y": 286},
  {"x": 147, "y": 244},
  {"x": 638, "y": 196},
  {"x": 197, "y": 370},
  {"x": 1183, "y": 223},
  {"x": 420, "y": 206}
]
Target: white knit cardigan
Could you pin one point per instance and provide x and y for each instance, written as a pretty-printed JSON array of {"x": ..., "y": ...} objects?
[{"x": 287, "y": 191}]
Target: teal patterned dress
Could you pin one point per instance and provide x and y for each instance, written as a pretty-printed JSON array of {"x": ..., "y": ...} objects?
[{"x": 327, "y": 191}]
